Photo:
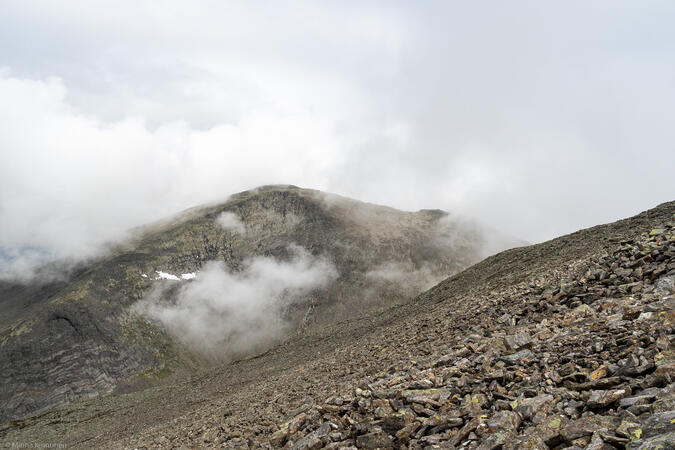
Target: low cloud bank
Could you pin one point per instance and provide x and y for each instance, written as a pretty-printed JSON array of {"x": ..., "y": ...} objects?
[
  {"x": 224, "y": 315},
  {"x": 405, "y": 274}
]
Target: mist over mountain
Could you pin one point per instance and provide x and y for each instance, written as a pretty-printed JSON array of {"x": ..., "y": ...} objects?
[
  {"x": 217, "y": 283},
  {"x": 491, "y": 112},
  {"x": 560, "y": 344},
  {"x": 22, "y": 259},
  {"x": 480, "y": 257}
]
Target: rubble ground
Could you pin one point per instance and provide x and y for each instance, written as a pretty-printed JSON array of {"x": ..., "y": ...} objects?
[{"x": 585, "y": 364}]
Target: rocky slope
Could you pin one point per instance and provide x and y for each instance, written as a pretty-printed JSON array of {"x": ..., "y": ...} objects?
[
  {"x": 566, "y": 344},
  {"x": 588, "y": 363},
  {"x": 63, "y": 339}
]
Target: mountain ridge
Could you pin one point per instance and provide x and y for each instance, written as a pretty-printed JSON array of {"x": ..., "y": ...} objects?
[
  {"x": 248, "y": 402},
  {"x": 78, "y": 338}
]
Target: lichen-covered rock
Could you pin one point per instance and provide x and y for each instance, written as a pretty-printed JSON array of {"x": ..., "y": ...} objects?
[{"x": 663, "y": 441}]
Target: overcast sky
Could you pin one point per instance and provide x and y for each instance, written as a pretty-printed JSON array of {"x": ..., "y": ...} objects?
[{"x": 537, "y": 118}]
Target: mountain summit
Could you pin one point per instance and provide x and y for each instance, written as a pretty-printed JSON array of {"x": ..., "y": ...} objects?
[
  {"x": 218, "y": 283},
  {"x": 564, "y": 344}
]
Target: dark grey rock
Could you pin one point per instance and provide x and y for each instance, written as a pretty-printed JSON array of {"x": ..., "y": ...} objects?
[
  {"x": 528, "y": 407},
  {"x": 375, "y": 440},
  {"x": 504, "y": 420},
  {"x": 602, "y": 399},
  {"x": 658, "y": 423},
  {"x": 518, "y": 341},
  {"x": 518, "y": 357}
]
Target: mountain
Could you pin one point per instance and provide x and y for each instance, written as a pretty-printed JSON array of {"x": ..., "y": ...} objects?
[
  {"x": 564, "y": 344},
  {"x": 215, "y": 284}
]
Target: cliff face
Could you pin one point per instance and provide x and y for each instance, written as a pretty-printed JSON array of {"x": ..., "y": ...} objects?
[{"x": 81, "y": 337}]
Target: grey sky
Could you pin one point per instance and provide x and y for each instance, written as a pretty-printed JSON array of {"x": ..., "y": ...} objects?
[{"x": 537, "y": 118}]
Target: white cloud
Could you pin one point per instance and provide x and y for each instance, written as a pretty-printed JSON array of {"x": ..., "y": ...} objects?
[
  {"x": 224, "y": 315},
  {"x": 69, "y": 182},
  {"x": 230, "y": 221},
  {"x": 537, "y": 118}
]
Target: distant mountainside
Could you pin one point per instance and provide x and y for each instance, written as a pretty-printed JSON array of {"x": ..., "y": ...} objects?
[
  {"x": 10, "y": 258},
  {"x": 564, "y": 344},
  {"x": 217, "y": 283}
]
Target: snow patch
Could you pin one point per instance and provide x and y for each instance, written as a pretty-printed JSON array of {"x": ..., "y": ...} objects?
[
  {"x": 165, "y": 276},
  {"x": 168, "y": 276}
]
